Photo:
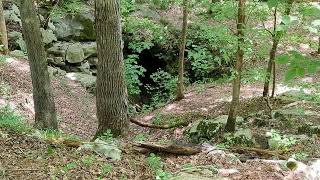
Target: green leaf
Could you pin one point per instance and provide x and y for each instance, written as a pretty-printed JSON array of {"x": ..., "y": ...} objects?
[
  {"x": 282, "y": 59},
  {"x": 300, "y": 71},
  {"x": 286, "y": 20},
  {"x": 291, "y": 73},
  {"x": 272, "y": 3}
]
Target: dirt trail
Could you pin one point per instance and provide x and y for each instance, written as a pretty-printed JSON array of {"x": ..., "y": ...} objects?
[{"x": 75, "y": 106}]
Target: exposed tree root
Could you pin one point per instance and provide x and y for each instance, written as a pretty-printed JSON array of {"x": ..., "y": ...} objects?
[
  {"x": 261, "y": 152},
  {"x": 171, "y": 148},
  {"x": 154, "y": 126}
]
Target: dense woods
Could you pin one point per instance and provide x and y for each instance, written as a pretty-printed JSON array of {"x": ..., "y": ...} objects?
[{"x": 159, "y": 89}]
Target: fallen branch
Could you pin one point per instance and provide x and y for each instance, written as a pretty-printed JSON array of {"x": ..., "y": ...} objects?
[
  {"x": 154, "y": 126},
  {"x": 171, "y": 148},
  {"x": 261, "y": 151}
]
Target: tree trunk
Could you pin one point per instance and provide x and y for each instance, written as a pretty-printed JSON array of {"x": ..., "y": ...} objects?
[
  {"x": 272, "y": 56},
  {"x": 275, "y": 42},
  {"x": 180, "y": 88},
  {"x": 112, "y": 100},
  {"x": 231, "y": 123},
  {"x": 45, "y": 113},
  {"x": 3, "y": 31}
]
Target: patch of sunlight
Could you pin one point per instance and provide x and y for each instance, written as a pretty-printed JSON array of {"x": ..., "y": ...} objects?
[
  {"x": 17, "y": 64},
  {"x": 71, "y": 76},
  {"x": 280, "y": 89}
]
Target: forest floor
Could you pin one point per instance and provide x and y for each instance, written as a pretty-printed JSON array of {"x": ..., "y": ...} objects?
[{"x": 22, "y": 156}]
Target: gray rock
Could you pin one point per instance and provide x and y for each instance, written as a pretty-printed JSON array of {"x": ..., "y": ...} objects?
[
  {"x": 93, "y": 61},
  {"x": 197, "y": 173},
  {"x": 107, "y": 149},
  {"x": 85, "y": 67},
  {"x": 11, "y": 16},
  {"x": 86, "y": 80},
  {"x": 18, "y": 54},
  {"x": 75, "y": 53},
  {"x": 79, "y": 26},
  {"x": 89, "y": 49},
  {"x": 17, "y": 40},
  {"x": 204, "y": 130},
  {"x": 56, "y": 61},
  {"x": 241, "y": 137},
  {"x": 58, "y": 49},
  {"x": 48, "y": 36}
]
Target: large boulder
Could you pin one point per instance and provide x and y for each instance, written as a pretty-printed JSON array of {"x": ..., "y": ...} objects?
[
  {"x": 89, "y": 49},
  {"x": 78, "y": 27},
  {"x": 58, "y": 49},
  {"x": 17, "y": 41},
  {"x": 86, "y": 80},
  {"x": 205, "y": 130},
  {"x": 75, "y": 54},
  {"x": 12, "y": 14},
  {"x": 48, "y": 36}
]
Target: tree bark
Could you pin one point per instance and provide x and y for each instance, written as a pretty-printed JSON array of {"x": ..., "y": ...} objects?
[
  {"x": 45, "y": 112},
  {"x": 112, "y": 100},
  {"x": 3, "y": 31},
  {"x": 272, "y": 56},
  {"x": 231, "y": 122},
  {"x": 275, "y": 42},
  {"x": 180, "y": 88}
]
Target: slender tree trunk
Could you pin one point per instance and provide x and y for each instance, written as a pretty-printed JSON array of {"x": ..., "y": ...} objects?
[
  {"x": 180, "y": 88},
  {"x": 45, "y": 113},
  {"x": 112, "y": 100},
  {"x": 231, "y": 123},
  {"x": 272, "y": 56},
  {"x": 3, "y": 31},
  {"x": 273, "y": 78},
  {"x": 275, "y": 42}
]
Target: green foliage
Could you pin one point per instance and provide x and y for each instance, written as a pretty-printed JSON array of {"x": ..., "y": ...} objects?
[
  {"x": 133, "y": 73},
  {"x": 279, "y": 142},
  {"x": 140, "y": 138},
  {"x": 106, "y": 169},
  {"x": 253, "y": 75},
  {"x": 67, "y": 6},
  {"x": 164, "y": 87},
  {"x": 10, "y": 120},
  {"x": 70, "y": 166},
  {"x": 301, "y": 156},
  {"x": 107, "y": 136},
  {"x": 154, "y": 162},
  {"x": 144, "y": 34},
  {"x": 298, "y": 64},
  {"x": 88, "y": 160}
]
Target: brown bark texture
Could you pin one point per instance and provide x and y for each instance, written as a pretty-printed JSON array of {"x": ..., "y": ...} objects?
[
  {"x": 112, "y": 100},
  {"x": 180, "y": 88},
  {"x": 3, "y": 31},
  {"x": 231, "y": 122},
  {"x": 45, "y": 112}
]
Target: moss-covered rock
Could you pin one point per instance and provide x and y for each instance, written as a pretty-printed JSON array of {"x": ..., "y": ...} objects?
[
  {"x": 205, "y": 130},
  {"x": 242, "y": 137}
]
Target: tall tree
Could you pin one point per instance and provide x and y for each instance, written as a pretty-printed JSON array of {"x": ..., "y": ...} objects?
[
  {"x": 112, "y": 100},
  {"x": 45, "y": 112},
  {"x": 180, "y": 89},
  {"x": 319, "y": 46},
  {"x": 276, "y": 37},
  {"x": 231, "y": 123},
  {"x": 3, "y": 31}
]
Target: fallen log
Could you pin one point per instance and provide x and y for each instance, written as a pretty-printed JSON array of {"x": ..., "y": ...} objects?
[
  {"x": 261, "y": 152},
  {"x": 154, "y": 126},
  {"x": 171, "y": 148}
]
